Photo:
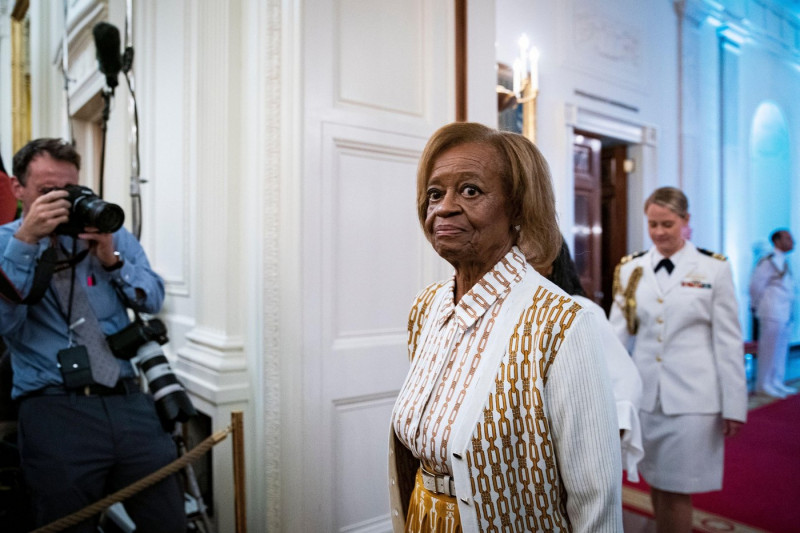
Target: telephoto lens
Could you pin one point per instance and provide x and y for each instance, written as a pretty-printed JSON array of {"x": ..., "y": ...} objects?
[
  {"x": 172, "y": 401},
  {"x": 93, "y": 211},
  {"x": 88, "y": 209}
]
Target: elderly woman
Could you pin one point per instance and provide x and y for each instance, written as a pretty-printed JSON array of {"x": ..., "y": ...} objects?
[
  {"x": 675, "y": 307},
  {"x": 506, "y": 419}
]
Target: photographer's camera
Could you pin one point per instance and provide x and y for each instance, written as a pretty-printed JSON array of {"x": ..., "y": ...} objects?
[
  {"x": 88, "y": 209},
  {"x": 140, "y": 342}
]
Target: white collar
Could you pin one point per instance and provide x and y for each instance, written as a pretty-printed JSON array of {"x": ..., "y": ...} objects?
[
  {"x": 778, "y": 258},
  {"x": 675, "y": 258}
]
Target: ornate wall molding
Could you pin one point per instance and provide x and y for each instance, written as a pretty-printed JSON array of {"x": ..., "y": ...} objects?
[
  {"x": 586, "y": 119},
  {"x": 268, "y": 404},
  {"x": 600, "y": 42},
  {"x": 762, "y": 22},
  {"x": 86, "y": 82}
]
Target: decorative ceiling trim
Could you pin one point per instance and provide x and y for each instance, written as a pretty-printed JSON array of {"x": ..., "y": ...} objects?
[
  {"x": 582, "y": 118},
  {"x": 781, "y": 38}
]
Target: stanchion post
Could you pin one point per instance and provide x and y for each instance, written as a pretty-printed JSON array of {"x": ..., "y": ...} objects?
[{"x": 237, "y": 425}]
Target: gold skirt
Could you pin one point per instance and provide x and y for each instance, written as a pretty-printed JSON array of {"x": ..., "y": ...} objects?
[{"x": 429, "y": 512}]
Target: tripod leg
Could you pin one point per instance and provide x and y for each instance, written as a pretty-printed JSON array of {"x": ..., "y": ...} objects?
[{"x": 191, "y": 479}]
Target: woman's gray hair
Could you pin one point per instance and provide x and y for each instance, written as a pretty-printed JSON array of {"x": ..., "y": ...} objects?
[
  {"x": 526, "y": 180},
  {"x": 670, "y": 198}
]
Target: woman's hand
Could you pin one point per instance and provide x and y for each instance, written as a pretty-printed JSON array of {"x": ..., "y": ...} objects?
[{"x": 731, "y": 427}]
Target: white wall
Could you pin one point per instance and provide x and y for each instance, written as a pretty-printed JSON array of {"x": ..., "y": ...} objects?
[
  {"x": 774, "y": 191},
  {"x": 624, "y": 51}
]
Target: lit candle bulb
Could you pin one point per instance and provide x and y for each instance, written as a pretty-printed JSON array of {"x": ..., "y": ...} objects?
[
  {"x": 534, "y": 59},
  {"x": 524, "y": 43}
]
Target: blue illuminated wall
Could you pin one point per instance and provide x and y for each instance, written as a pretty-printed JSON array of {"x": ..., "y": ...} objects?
[
  {"x": 741, "y": 122},
  {"x": 770, "y": 171},
  {"x": 771, "y": 190}
]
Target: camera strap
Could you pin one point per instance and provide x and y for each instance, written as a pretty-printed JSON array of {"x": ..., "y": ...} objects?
[
  {"x": 128, "y": 304},
  {"x": 41, "y": 280},
  {"x": 48, "y": 263}
]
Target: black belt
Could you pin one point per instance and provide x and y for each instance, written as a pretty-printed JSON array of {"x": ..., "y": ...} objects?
[{"x": 124, "y": 386}]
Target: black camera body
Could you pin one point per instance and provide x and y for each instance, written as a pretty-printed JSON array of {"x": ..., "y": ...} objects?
[
  {"x": 140, "y": 342},
  {"x": 126, "y": 342},
  {"x": 88, "y": 209}
]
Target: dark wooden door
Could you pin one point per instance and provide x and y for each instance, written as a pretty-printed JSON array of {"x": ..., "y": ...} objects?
[
  {"x": 614, "y": 208},
  {"x": 588, "y": 222}
]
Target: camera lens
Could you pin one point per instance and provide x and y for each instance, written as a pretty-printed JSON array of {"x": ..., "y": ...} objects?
[
  {"x": 106, "y": 217},
  {"x": 88, "y": 209},
  {"x": 172, "y": 401}
]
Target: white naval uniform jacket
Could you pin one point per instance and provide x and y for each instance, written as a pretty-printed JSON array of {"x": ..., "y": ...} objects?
[
  {"x": 772, "y": 291},
  {"x": 688, "y": 346},
  {"x": 535, "y": 444}
]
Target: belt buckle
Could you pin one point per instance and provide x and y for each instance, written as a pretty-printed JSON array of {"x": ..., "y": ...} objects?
[
  {"x": 429, "y": 482},
  {"x": 437, "y": 483},
  {"x": 87, "y": 390},
  {"x": 443, "y": 484}
]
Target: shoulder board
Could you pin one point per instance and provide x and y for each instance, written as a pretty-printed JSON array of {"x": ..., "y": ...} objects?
[
  {"x": 715, "y": 255},
  {"x": 767, "y": 257},
  {"x": 631, "y": 256}
]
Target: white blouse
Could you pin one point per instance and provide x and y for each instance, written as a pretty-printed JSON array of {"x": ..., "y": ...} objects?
[
  {"x": 509, "y": 394},
  {"x": 431, "y": 398}
]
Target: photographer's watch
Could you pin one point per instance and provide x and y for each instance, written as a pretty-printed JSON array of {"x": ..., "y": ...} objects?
[{"x": 117, "y": 265}]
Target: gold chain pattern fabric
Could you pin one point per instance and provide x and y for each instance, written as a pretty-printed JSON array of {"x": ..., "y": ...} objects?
[
  {"x": 628, "y": 295},
  {"x": 515, "y": 430},
  {"x": 446, "y": 352},
  {"x": 417, "y": 316}
]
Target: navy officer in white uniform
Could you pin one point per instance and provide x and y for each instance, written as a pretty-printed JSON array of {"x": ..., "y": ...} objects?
[
  {"x": 772, "y": 295},
  {"x": 675, "y": 309}
]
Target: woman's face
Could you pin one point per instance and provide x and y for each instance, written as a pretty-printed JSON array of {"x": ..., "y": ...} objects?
[
  {"x": 467, "y": 219},
  {"x": 665, "y": 228}
]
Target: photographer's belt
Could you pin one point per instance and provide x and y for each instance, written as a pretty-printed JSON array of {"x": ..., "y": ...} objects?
[{"x": 123, "y": 387}]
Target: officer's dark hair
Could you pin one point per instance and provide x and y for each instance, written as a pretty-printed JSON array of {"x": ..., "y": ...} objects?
[
  {"x": 58, "y": 149},
  {"x": 565, "y": 274}
]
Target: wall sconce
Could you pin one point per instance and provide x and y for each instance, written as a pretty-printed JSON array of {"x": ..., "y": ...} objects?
[{"x": 525, "y": 87}]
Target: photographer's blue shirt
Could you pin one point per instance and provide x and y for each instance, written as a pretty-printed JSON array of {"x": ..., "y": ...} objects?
[{"x": 34, "y": 334}]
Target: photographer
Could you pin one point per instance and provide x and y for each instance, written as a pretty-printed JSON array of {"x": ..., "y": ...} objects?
[{"x": 85, "y": 427}]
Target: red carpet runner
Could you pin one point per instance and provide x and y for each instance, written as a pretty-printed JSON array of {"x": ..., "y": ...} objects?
[{"x": 761, "y": 485}]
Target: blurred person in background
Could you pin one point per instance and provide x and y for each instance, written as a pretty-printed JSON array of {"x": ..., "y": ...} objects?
[{"x": 772, "y": 297}]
